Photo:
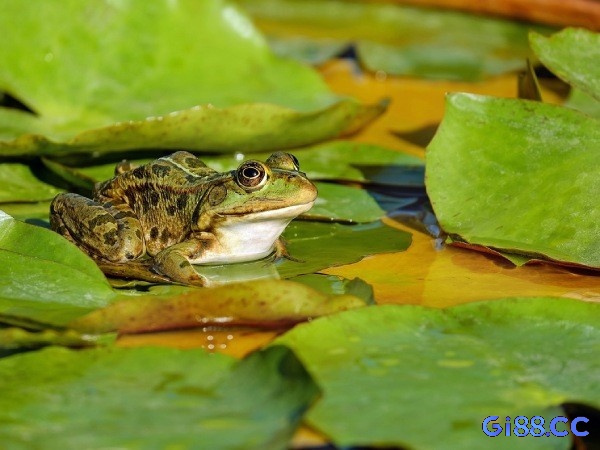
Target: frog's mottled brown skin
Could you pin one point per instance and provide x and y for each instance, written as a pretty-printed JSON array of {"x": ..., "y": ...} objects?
[{"x": 179, "y": 211}]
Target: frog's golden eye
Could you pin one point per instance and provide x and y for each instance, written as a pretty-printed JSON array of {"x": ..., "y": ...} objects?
[{"x": 251, "y": 175}]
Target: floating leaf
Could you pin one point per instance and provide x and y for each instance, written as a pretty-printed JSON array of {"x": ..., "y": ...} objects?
[
  {"x": 518, "y": 176},
  {"x": 411, "y": 367},
  {"x": 266, "y": 303},
  {"x": 151, "y": 398},
  {"x": 14, "y": 338},
  {"x": 401, "y": 40},
  {"x": 573, "y": 55},
  {"x": 44, "y": 277},
  {"x": 18, "y": 184},
  {"x": 107, "y": 80},
  {"x": 316, "y": 246}
]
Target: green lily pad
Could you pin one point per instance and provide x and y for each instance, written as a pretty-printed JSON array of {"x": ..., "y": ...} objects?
[
  {"x": 424, "y": 378},
  {"x": 109, "y": 79},
  {"x": 518, "y": 176},
  {"x": 18, "y": 184},
  {"x": 573, "y": 55},
  {"x": 44, "y": 277},
  {"x": 151, "y": 398},
  {"x": 263, "y": 303},
  {"x": 400, "y": 40},
  {"x": 315, "y": 246}
]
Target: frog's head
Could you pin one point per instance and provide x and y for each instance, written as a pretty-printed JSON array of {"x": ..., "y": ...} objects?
[{"x": 258, "y": 191}]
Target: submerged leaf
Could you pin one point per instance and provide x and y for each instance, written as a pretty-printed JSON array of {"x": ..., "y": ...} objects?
[
  {"x": 316, "y": 246},
  {"x": 107, "y": 79},
  {"x": 44, "y": 277},
  {"x": 518, "y": 176},
  {"x": 264, "y": 303},
  {"x": 400, "y": 40},
  {"x": 411, "y": 367},
  {"x": 151, "y": 398}
]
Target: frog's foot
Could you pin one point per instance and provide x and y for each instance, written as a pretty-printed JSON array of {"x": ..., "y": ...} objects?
[
  {"x": 281, "y": 251},
  {"x": 174, "y": 263},
  {"x": 106, "y": 231}
]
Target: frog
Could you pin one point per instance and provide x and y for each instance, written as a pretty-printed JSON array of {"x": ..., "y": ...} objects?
[{"x": 176, "y": 212}]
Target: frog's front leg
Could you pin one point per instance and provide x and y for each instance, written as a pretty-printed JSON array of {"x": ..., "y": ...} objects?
[
  {"x": 174, "y": 261},
  {"x": 108, "y": 231}
]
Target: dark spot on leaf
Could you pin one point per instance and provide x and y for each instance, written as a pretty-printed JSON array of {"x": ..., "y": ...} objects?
[
  {"x": 171, "y": 210},
  {"x": 191, "y": 178},
  {"x": 129, "y": 255},
  {"x": 164, "y": 237},
  {"x": 153, "y": 233},
  {"x": 183, "y": 264},
  {"x": 182, "y": 202}
]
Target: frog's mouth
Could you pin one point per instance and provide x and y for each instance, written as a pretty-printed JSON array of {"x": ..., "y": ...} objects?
[{"x": 287, "y": 212}]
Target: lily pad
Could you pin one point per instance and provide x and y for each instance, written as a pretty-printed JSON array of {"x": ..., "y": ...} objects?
[
  {"x": 44, "y": 277},
  {"x": 108, "y": 79},
  {"x": 315, "y": 246},
  {"x": 399, "y": 40},
  {"x": 151, "y": 398},
  {"x": 19, "y": 184},
  {"x": 573, "y": 55},
  {"x": 411, "y": 367},
  {"x": 263, "y": 303},
  {"x": 518, "y": 176}
]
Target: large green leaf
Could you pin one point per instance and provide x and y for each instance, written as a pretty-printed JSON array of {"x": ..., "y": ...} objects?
[
  {"x": 134, "y": 74},
  {"x": 573, "y": 55},
  {"x": 396, "y": 39},
  {"x": 426, "y": 378},
  {"x": 151, "y": 398},
  {"x": 518, "y": 176},
  {"x": 44, "y": 277}
]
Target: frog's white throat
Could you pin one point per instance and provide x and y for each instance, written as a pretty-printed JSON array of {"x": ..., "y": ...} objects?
[{"x": 251, "y": 237}]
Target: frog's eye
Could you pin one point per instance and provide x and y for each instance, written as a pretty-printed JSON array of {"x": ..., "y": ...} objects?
[{"x": 251, "y": 175}]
